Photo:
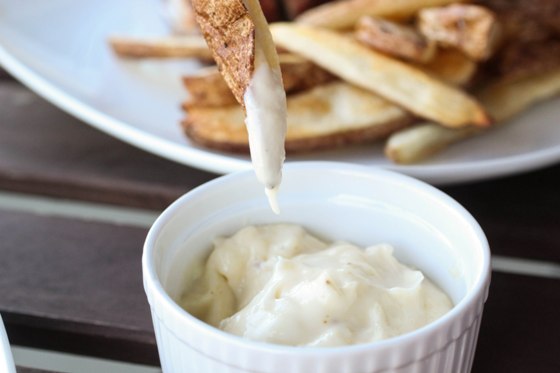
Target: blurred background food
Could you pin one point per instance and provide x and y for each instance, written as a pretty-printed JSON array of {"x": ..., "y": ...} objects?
[{"x": 417, "y": 74}]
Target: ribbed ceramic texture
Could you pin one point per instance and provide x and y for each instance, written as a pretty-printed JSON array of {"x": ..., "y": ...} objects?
[
  {"x": 419, "y": 218},
  {"x": 449, "y": 349}
]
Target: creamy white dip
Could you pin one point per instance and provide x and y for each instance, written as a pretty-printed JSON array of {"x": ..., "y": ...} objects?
[
  {"x": 265, "y": 107},
  {"x": 279, "y": 284},
  {"x": 265, "y": 104}
]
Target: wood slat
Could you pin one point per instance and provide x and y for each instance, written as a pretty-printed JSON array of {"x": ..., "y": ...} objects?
[
  {"x": 46, "y": 151},
  {"x": 516, "y": 212},
  {"x": 520, "y": 329},
  {"x": 75, "y": 286},
  {"x": 519, "y": 214},
  {"x": 32, "y": 370},
  {"x": 4, "y": 75}
]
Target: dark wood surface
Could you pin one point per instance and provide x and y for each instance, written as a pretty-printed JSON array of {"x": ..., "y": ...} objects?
[
  {"x": 520, "y": 331},
  {"x": 75, "y": 286},
  {"x": 46, "y": 151},
  {"x": 519, "y": 214},
  {"x": 32, "y": 370}
]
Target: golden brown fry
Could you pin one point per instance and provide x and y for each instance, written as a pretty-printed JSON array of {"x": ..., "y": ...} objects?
[
  {"x": 208, "y": 88},
  {"x": 238, "y": 36},
  {"x": 299, "y": 74},
  {"x": 345, "y": 14},
  {"x": 394, "y": 39},
  {"x": 184, "y": 46},
  {"x": 394, "y": 80},
  {"x": 417, "y": 143},
  {"x": 471, "y": 28},
  {"x": 325, "y": 117},
  {"x": 452, "y": 67},
  {"x": 506, "y": 100},
  {"x": 230, "y": 34},
  {"x": 503, "y": 101}
]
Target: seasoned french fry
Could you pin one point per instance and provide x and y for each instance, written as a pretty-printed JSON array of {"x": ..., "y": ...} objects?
[
  {"x": 394, "y": 39},
  {"x": 230, "y": 33},
  {"x": 451, "y": 66},
  {"x": 299, "y": 74},
  {"x": 417, "y": 143},
  {"x": 325, "y": 117},
  {"x": 503, "y": 101},
  {"x": 208, "y": 88},
  {"x": 345, "y": 14},
  {"x": 394, "y": 80},
  {"x": 471, "y": 28},
  {"x": 184, "y": 46}
]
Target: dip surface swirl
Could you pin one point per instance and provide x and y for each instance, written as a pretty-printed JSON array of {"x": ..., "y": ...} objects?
[{"x": 279, "y": 284}]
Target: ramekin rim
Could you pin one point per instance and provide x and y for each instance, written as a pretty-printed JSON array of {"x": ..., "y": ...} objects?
[{"x": 154, "y": 288}]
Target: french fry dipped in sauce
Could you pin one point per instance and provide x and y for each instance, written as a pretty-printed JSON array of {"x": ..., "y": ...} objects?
[{"x": 238, "y": 35}]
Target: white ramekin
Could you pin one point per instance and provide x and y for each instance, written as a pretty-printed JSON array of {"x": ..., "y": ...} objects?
[{"x": 366, "y": 206}]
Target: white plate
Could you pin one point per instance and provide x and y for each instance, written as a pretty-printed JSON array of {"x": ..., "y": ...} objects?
[{"x": 58, "y": 48}]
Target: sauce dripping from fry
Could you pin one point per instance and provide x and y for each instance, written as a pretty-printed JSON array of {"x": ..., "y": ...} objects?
[{"x": 265, "y": 104}]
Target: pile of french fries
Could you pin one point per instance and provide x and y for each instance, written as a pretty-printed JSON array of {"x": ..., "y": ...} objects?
[{"x": 418, "y": 74}]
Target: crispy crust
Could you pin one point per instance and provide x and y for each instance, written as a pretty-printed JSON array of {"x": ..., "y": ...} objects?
[
  {"x": 301, "y": 145},
  {"x": 299, "y": 74},
  {"x": 451, "y": 66},
  {"x": 394, "y": 39},
  {"x": 388, "y": 77},
  {"x": 184, "y": 46},
  {"x": 343, "y": 14},
  {"x": 347, "y": 138},
  {"x": 503, "y": 99},
  {"x": 471, "y": 28},
  {"x": 208, "y": 88},
  {"x": 230, "y": 34},
  {"x": 326, "y": 117}
]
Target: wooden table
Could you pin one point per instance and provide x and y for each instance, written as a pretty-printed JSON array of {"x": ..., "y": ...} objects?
[{"x": 75, "y": 205}]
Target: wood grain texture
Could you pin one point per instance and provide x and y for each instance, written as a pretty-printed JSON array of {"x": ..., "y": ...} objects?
[
  {"x": 74, "y": 286},
  {"x": 520, "y": 326},
  {"x": 519, "y": 214},
  {"x": 4, "y": 75},
  {"x": 46, "y": 151},
  {"x": 32, "y": 370},
  {"x": 89, "y": 298}
]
